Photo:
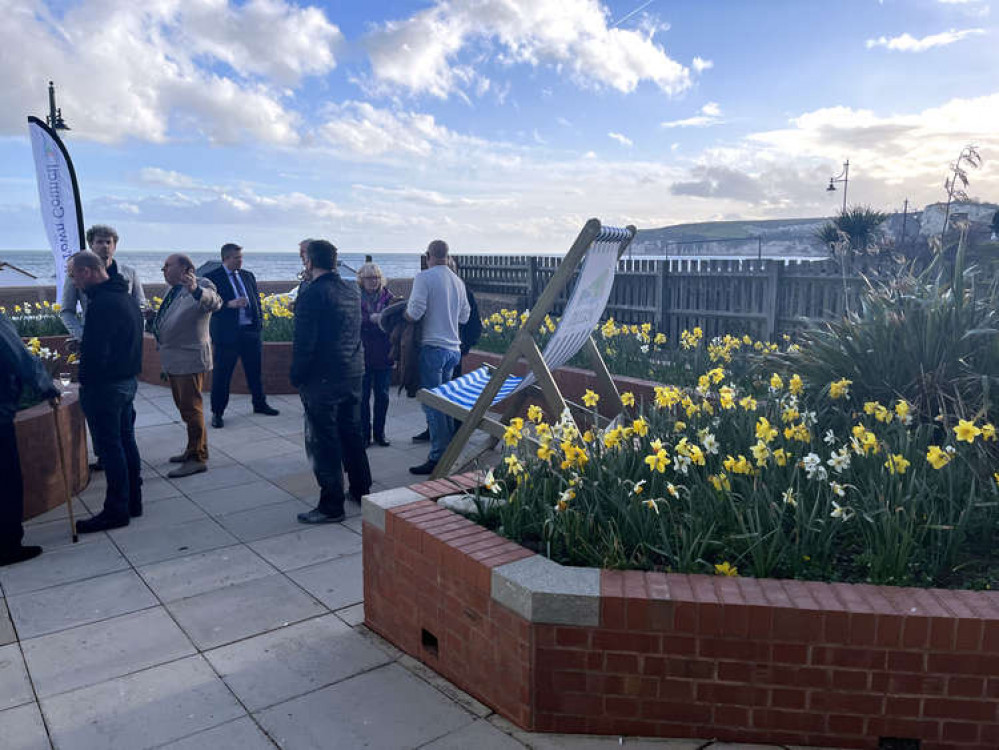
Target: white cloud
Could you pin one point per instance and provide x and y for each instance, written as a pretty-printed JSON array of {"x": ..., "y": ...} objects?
[
  {"x": 166, "y": 178},
  {"x": 420, "y": 54},
  {"x": 699, "y": 64},
  {"x": 153, "y": 70},
  {"x": 908, "y": 43},
  {"x": 622, "y": 139},
  {"x": 710, "y": 115}
]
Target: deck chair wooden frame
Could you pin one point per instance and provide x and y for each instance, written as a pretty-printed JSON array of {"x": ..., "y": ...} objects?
[{"x": 524, "y": 346}]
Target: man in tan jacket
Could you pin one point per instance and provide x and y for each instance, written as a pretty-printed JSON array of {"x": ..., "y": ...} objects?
[{"x": 181, "y": 330}]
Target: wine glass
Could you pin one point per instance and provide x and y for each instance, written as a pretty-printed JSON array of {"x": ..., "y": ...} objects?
[{"x": 65, "y": 378}]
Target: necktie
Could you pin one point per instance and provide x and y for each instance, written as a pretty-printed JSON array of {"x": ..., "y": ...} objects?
[
  {"x": 164, "y": 306},
  {"x": 245, "y": 313}
]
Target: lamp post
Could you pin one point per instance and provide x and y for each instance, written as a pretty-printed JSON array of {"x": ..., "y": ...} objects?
[
  {"x": 54, "y": 118},
  {"x": 843, "y": 177}
]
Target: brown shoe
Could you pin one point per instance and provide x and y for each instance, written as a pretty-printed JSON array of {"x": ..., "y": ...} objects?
[
  {"x": 179, "y": 458},
  {"x": 188, "y": 468}
]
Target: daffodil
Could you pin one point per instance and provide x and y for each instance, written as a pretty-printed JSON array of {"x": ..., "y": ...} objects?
[
  {"x": 590, "y": 398},
  {"x": 840, "y": 388},
  {"x": 641, "y": 427},
  {"x": 967, "y": 431},
  {"x": 776, "y": 382},
  {"x": 796, "y": 386},
  {"x": 720, "y": 481},
  {"x": 939, "y": 457},
  {"x": 513, "y": 465},
  {"x": 653, "y": 504},
  {"x": 672, "y": 490},
  {"x": 490, "y": 483},
  {"x": 842, "y": 512},
  {"x": 726, "y": 569},
  {"x": 535, "y": 414},
  {"x": 657, "y": 461},
  {"x": 789, "y": 497},
  {"x": 988, "y": 431},
  {"x": 764, "y": 431},
  {"x": 628, "y": 398},
  {"x": 639, "y": 487},
  {"x": 897, "y": 463}
]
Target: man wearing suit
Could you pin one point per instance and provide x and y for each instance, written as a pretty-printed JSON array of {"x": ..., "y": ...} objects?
[
  {"x": 235, "y": 330},
  {"x": 181, "y": 331}
]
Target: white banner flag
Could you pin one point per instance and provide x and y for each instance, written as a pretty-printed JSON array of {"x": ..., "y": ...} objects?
[{"x": 59, "y": 196}]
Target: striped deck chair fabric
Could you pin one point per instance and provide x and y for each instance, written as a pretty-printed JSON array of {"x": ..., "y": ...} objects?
[{"x": 581, "y": 315}]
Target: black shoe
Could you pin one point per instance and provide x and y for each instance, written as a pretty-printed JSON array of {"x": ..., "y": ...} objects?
[
  {"x": 356, "y": 497},
  {"x": 380, "y": 440},
  {"x": 100, "y": 522},
  {"x": 20, "y": 554},
  {"x": 269, "y": 411},
  {"x": 423, "y": 437},
  {"x": 217, "y": 422},
  {"x": 97, "y": 466},
  {"x": 317, "y": 516},
  {"x": 424, "y": 468}
]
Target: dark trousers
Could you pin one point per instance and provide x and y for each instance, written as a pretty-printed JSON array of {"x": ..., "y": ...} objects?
[
  {"x": 11, "y": 490},
  {"x": 246, "y": 347},
  {"x": 111, "y": 418},
  {"x": 335, "y": 443},
  {"x": 377, "y": 383}
]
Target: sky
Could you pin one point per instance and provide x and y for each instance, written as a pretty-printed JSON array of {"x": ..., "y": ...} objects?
[{"x": 497, "y": 125}]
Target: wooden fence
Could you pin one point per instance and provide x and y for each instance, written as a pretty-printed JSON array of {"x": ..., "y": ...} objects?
[{"x": 762, "y": 298}]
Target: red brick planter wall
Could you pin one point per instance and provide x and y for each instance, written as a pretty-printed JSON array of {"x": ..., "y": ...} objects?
[
  {"x": 275, "y": 367},
  {"x": 36, "y": 444},
  {"x": 633, "y": 653}
]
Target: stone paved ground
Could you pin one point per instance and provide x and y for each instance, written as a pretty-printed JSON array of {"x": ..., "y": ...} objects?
[{"x": 217, "y": 621}]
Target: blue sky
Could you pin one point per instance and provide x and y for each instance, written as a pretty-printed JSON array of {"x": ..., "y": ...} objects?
[{"x": 496, "y": 124}]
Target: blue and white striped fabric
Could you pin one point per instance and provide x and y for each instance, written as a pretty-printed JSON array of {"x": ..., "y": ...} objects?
[{"x": 466, "y": 389}]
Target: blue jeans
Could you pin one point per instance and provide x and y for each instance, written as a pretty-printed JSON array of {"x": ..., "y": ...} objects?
[
  {"x": 436, "y": 367},
  {"x": 375, "y": 382},
  {"x": 111, "y": 417}
]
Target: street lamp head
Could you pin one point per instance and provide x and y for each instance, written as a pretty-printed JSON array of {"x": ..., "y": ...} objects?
[{"x": 831, "y": 188}]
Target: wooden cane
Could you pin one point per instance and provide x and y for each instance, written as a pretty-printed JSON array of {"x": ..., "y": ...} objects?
[{"x": 62, "y": 465}]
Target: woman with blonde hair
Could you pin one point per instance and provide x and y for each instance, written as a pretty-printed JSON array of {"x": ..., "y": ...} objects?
[{"x": 375, "y": 297}]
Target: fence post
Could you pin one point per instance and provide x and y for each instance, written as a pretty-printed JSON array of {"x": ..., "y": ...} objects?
[
  {"x": 773, "y": 282},
  {"x": 661, "y": 295},
  {"x": 532, "y": 281}
]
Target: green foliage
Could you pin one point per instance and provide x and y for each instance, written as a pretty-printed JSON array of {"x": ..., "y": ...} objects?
[{"x": 36, "y": 319}]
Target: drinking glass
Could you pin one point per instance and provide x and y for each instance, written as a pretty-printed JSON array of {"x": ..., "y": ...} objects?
[{"x": 65, "y": 378}]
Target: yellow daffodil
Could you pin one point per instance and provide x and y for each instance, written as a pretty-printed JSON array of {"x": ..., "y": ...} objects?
[
  {"x": 967, "y": 431},
  {"x": 939, "y": 457},
  {"x": 545, "y": 452},
  {"x": 726, "y": 569},
  {"x": 720, "y": 481},
  {"x": 534, "y": 413},
  {"x": 776, "y": 382},
  {"x": 897, "y": 463},
  {"x": 590, "y": 398},
  {"x": 658, "y": 461},
  {"x": 764, "y": 431},
  {"x": 748, "y": 403},
  {"x": 988, "y": 431},
  {"x": 796, "y": 386},
  {"x": 840, "y": 388},
  {"x": 781, "y": 457},
  {"x": 628, "y": 398},
  {"x": 513, "y": 465}
]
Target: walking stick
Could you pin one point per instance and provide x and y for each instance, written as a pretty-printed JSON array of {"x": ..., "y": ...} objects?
[{"x": 62, "y": 465}]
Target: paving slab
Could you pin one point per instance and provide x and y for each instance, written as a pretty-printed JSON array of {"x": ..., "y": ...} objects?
[
  {"x": 353, "y": 615},
  {"x": 195, "y": 574},
  {"x": 53, "y": 535},
  {"x": 60, "y": 607},
  {"x": 225, "y": 615},
  {"x": 7, "y": 634},
  {"x": 61, "y": 513},
  {"x": 308, "y": 547},
  {"x": 15, "y": 687},
  {"x": 22, "y": 728},
  {"x": 89, "y": 654},
  {"x": 336, "y": 583},
  {"x": 241, "y": 734},
  {"x": 300, "y": 485},
  {"x": 480, "y": 735},
  {"x": 215, "y": 478},
  {"x": 386, "y": 708},
  {"x": 92, "y": 557},
  {"x": 248, "y": 453},
  {"x": 148, "y": 545},
  {"x": 276, "y": 467},
  {"x": 157, "y": 488},
  {"x": 166, "y": 512},
  {"x": 276, "y": 666},
  {"x": 142, "y": 710},
  {"x": 265, "y": 521},
  {"x": 220, "y": 502}
]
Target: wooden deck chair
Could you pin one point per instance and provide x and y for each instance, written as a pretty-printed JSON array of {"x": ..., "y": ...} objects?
[{"x": 469, "y": 397}]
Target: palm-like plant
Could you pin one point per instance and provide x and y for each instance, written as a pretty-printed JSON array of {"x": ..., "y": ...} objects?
[{"x": 855, "y": 231}]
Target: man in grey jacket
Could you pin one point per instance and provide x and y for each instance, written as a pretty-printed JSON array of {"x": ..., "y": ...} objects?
[
  {"x": 181, "y": 330},
  {"x": 102, "y": 240}
]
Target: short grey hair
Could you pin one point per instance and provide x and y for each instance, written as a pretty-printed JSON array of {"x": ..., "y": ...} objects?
[{"x": 87, "y": 259}]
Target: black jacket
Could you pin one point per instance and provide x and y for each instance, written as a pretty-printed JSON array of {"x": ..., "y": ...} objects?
[
  {"x": 112, "y": 334},
  {"x": 327, "y": 344},
  {"x": 224, "y": 326},
  {"x": 19, "y": 371}
]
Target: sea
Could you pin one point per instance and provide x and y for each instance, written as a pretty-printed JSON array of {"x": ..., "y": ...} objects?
[{"x": 273, "y": 266}]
